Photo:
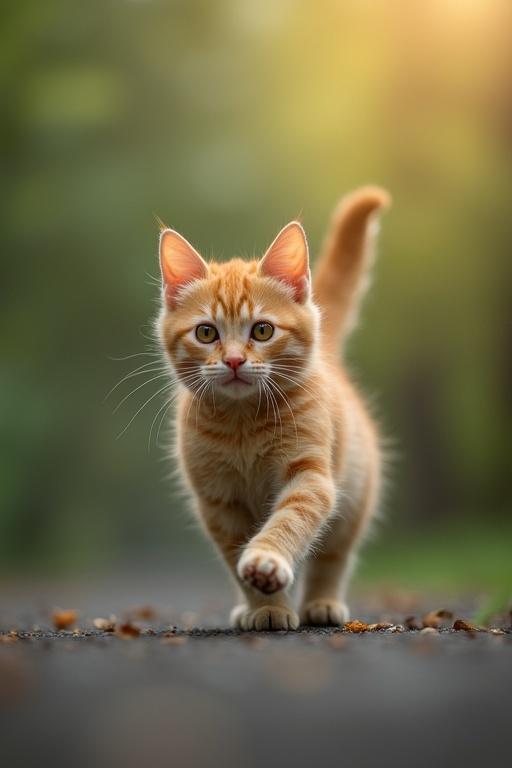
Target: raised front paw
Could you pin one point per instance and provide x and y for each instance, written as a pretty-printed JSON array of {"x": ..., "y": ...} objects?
[
  {"x": 264, "y": 570},
  {"x": 265, "y": 618}
]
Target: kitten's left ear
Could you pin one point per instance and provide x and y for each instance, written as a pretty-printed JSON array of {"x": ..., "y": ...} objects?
[
  {"x": 180, "y": 264},
  {"x": 287, "y": 260}
]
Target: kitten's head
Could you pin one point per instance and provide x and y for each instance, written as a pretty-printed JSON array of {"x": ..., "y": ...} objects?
[{"x": 239, "y": 328}]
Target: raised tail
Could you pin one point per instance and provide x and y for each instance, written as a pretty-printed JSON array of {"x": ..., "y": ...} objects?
[{"x": 341, "y": 274}]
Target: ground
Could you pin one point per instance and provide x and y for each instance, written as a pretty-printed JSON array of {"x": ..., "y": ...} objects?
[{"x": 186, "y": 692}]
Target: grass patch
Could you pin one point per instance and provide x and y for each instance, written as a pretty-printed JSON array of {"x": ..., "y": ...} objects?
[{"x": 463, "y": 558}]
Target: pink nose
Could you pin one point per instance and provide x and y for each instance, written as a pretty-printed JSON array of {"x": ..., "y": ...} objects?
[{"x": 234, "y": 361}]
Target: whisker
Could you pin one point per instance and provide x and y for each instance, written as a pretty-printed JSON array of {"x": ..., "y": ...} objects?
[
  {"x": 308, "y": 391},
  {"x": 144, "y": 384},
  {"x": 166, "y": 405},
  {"x": 135, "y": 354},
  {"x": 259, "y": 400},
  {"x": 145, "y": 368},
  {"x": 169, "y": 404},
  {"x": 167, "y": 386},
  {"x": 166, "y": 372},
  {"x": 198, "y": 407},
  {"x": 288, "y": 405},
  {"x": 195, "y": 394},
  {"x": 275, "y": 410}
]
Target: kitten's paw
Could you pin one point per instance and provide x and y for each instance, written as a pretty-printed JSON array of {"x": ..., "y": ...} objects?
[
  {"x": 324, "y": 613},
  {"x": 264, "y": 570},
  {"x": 266, "y": 618}
]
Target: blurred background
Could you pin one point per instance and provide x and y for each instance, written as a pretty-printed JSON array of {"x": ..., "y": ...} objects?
[{"x": 227, "y": 119}]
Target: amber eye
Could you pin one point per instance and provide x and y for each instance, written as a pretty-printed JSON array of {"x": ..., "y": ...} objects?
[
  {"x": 262, "y": 331},
  {"x": 206, "y": 334}
]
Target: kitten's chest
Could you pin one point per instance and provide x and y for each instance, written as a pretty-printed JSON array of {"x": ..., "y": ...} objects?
[{"x": 244, "y": 469}]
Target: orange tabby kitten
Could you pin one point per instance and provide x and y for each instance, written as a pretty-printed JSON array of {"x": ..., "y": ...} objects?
[{"x": 273, "y": 440}]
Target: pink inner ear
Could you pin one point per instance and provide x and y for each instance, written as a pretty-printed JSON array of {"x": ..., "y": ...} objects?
[
  {"x": 180, "y": 264},
  {"x": 287, "y": 260}
]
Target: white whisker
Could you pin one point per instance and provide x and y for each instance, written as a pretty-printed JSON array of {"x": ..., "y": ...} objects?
[
  {"x": 287, "y": 403},
  {"x": 167, "y": 386},
  {"x": 137, "y": 372}
]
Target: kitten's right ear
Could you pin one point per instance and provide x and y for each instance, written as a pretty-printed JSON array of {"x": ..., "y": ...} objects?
[{"x": 180, "y": 264}]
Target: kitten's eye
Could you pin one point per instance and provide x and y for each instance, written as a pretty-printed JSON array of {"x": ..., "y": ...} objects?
[
  {"x": 206, "y": 334},
  {"x": 262, "y": 331}
]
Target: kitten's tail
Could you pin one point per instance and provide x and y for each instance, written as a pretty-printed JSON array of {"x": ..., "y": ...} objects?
[{"x": 342, "y": 272}]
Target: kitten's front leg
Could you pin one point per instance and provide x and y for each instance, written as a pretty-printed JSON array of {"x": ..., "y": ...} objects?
[
  {"x": 229, "y": 526},
  {"x": 300, "y": 511}
]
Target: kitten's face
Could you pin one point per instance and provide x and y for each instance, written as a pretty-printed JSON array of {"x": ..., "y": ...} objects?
[{"x": 238, "y": 329}]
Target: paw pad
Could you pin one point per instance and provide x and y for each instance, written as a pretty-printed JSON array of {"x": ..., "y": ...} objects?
[{"x": 267, "y": 572}]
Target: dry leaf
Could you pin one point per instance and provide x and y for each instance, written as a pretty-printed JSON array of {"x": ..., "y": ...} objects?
[
  {"x": 356, "y": 626},
  {"x": 106, "y": 625},
  {"x": 396, "y": 628},
  {"x": 127, "y": 630},
  {"x": 380, "y": 626},
  {"x": 63, "y": 619},
  {"x": 496, "y": 631},
  {"x": 460, "y": 625},
  {"x": 435, "y": 618}
]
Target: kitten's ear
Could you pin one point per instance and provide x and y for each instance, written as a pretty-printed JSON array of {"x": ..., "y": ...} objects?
[
  {"x": 287, "y": 260},
  {"x": 180, "y": 264}
]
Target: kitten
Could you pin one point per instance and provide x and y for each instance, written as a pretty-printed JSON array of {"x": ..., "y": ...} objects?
[{"x": 273, "y": 440}]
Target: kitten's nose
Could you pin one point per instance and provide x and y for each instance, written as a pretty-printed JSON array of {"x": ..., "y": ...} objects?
[{"x": 234, "y": 361}]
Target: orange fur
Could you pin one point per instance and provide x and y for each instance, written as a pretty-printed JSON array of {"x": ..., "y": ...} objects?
[{"x": 273, "y": 440}]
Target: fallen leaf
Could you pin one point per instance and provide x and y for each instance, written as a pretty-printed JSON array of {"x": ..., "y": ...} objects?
[
  {"x": 396, "y": 628},
  {"x": 127, "y": 630},
  {"x": 380, "y": 626},
  {"x": 63, "y": 619},
  {"x": 356, "y": 626},
  {"x": 460, "y": 625},
  {"x": 496, "y": 631},
  {"x": 435, "y": 618}
]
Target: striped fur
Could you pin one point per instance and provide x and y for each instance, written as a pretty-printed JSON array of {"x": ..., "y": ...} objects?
[{"x": 286, "y": 467}]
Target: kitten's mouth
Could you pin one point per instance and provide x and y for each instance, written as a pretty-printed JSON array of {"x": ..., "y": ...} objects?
[{"x": 237, "y": 380}]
